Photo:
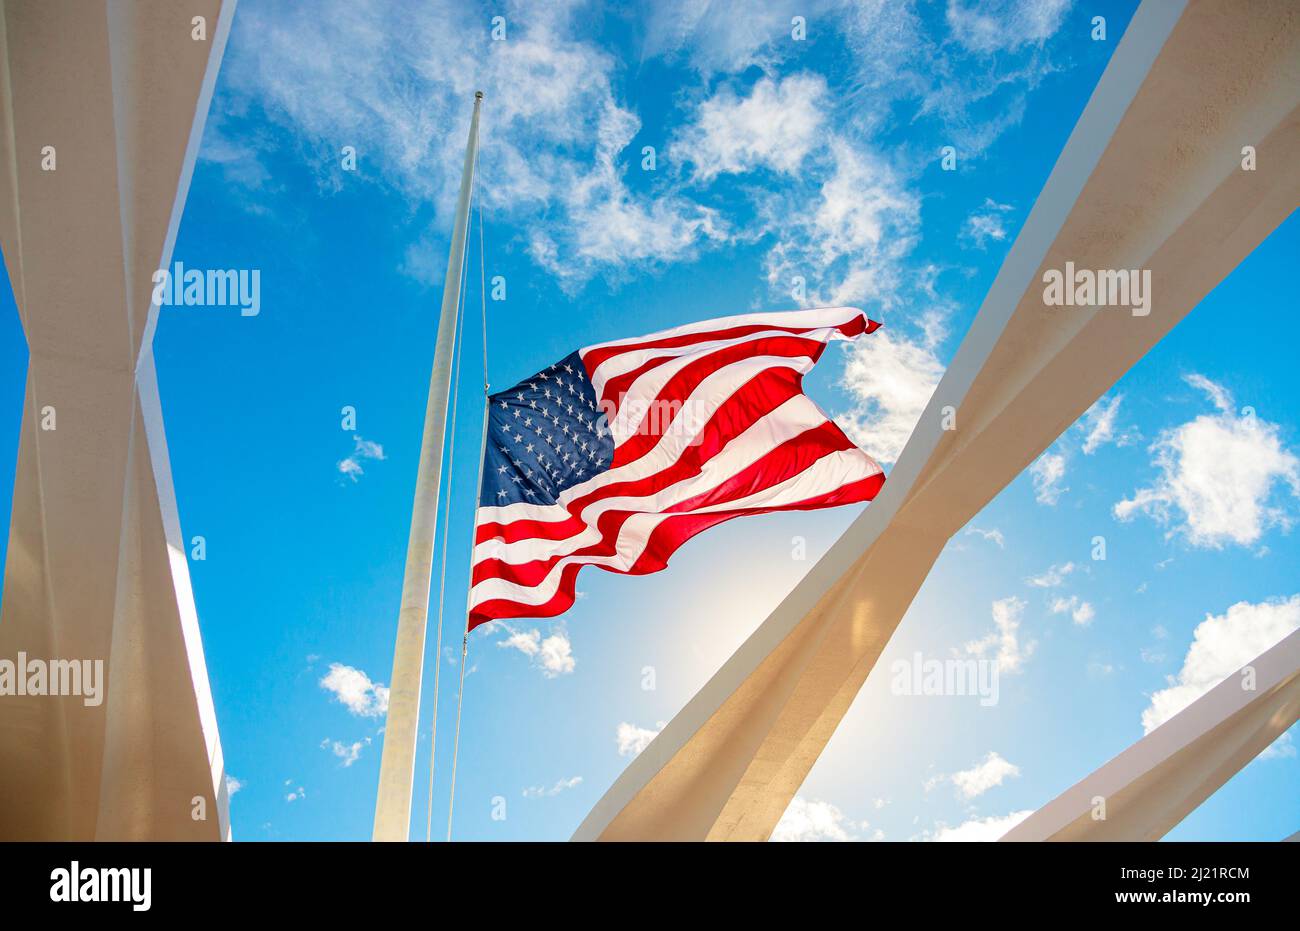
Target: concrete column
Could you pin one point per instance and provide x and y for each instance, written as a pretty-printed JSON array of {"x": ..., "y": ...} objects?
[
  {"x": 96, "y": 566},
  {"x": 1156, "y": 783}
]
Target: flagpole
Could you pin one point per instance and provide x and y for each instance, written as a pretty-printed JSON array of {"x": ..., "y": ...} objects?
[{"x": 397, "y": 764}]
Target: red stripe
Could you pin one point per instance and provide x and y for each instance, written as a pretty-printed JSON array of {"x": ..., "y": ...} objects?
[
  {"x": 594, "y": 358},
  {"x": 758, "y": 397},
  {"x": 786, "y": 461},
  {"x": 789, "y": 459},
  {"x": 678, "y": 389},
  {"x": 518, "y": 530},
  {"x": 666, "y": 539}
]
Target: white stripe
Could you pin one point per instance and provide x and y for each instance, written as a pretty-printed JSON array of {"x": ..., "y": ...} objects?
[
  {"x": 832, "y": 471},
  {"x": 630, "y": 361},
  {"x": 795, "y": 416},
  {"x": 813, "y": 317},
  {"x": 699, "y": 406},
  {"x": 708, "y": 396}
]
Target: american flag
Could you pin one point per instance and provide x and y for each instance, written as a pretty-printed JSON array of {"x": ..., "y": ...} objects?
[{"x": 621, "y": 452}]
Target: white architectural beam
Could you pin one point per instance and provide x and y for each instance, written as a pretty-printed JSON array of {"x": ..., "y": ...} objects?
[
  {"x": 1151, "y": 178},
  {"x": 101, "y": 112},
  {"x": 1154, "y": 784}
]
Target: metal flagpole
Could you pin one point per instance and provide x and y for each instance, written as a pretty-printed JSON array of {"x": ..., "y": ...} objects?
[
  {"x": 397, "y": 764},
  {"x": 482, "y": 453}
]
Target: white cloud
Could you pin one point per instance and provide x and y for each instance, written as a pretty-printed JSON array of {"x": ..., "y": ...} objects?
[
  {"x": 1221, "y": 645},
  {"x": 1004, "y": 25},
  {"x": 891, "y": 379},
  {"x": 1004, "y": 641},
  {"x": 903, "y": 66},
  {"x": 1099, "y": 423},
  {"x": 348, "y": 753},
  {"x": 527, "y": 642},
  {"x": 993, "y": 535},
  {"x": 850, "y": 246},
  {"x": 400, "y": 93},
  {"x": 557, "y": 655},
  {"x": 1218, "y": 475},
  {"x": 552, "y": 654},
  {"x": 632, "y": 739},
  {"x": 362, "y": 450},
  {"x": 560, "y": 786},
  {"x": 984, "y": 775},
  {"x": 1152, "y": 656},
  {"x": 1053, "y": 577},
  {"x": 1047, "y": 472},
  {"x": 812, "y": 820},
  {"x": 979, "y": 829},
  {"x": 233, "y": 785},
  {"x": 294, "y": 795},
  {"x": 986, "y": 224},
  {"x": 1280, "y": 749},
  {"x": 556, "y": 136},
  {"x": 774, "y": 127},
  {"x": 717, "y": 37},
  {"x": 1081, "y": 612},
  {"x": 354, "y": 689},
  {"x": 605, "y": 224}
]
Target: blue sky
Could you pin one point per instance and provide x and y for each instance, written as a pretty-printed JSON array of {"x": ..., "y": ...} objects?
[{"x": 774, "y": 159}]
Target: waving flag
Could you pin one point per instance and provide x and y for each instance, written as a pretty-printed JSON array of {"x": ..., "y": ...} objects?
[{"x": 621, "y": 452}]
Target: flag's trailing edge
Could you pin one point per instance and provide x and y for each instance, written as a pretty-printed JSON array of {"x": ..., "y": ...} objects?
[{"x": 621, "y": 452}]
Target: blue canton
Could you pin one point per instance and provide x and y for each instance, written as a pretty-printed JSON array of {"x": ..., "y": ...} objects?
[{"x": 546, "y": 434}]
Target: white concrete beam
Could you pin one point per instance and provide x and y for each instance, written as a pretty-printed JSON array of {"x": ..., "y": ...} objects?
[
  {"x": 1145, "y": 791},
  {"x": 1150, "y": 179},
  {"x": 96, "y": 566}
]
